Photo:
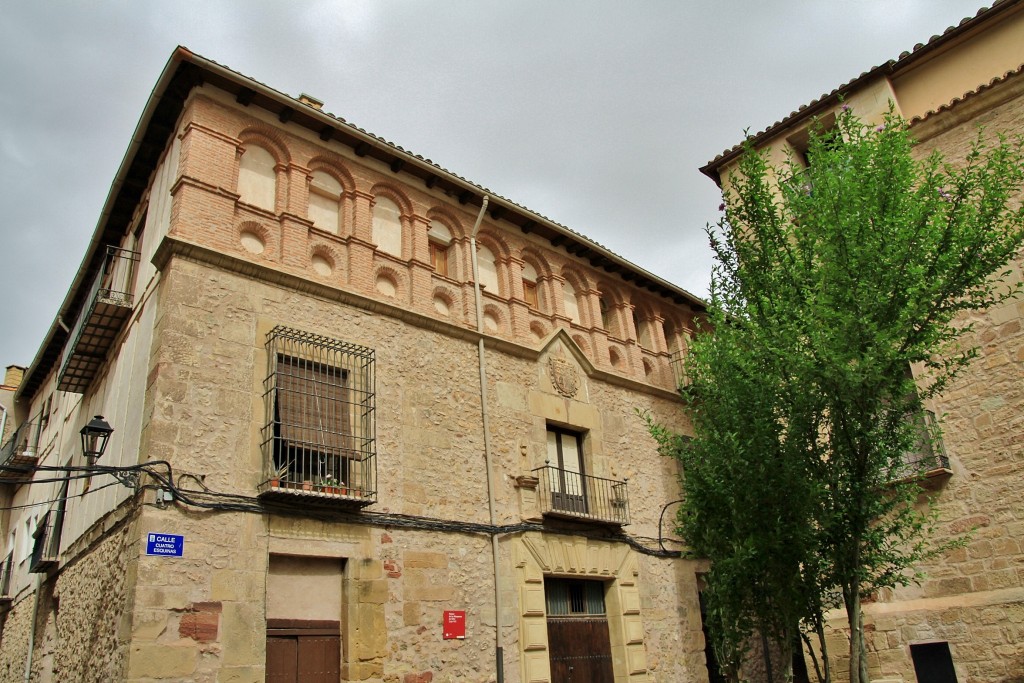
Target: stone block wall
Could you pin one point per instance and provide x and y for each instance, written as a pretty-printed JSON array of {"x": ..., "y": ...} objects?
[{"x": 970, "y": 597}]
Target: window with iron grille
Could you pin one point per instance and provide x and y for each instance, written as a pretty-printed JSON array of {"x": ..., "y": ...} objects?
[
  {"x": 318, "y": 433},
  {"x": 573, "y": 597}
]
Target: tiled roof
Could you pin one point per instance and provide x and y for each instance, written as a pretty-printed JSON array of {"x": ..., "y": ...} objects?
[
  {"x": 968, "y": 95},
  {"x": 830, "y": 98}
]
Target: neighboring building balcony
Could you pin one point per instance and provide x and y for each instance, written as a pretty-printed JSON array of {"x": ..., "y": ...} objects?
[
  {"x": 5, "y": 580},
  {"x": 107, "y": 306},
  {"x": 20, "y": 454},
  {"x": 927, "y": 462},
  {"x": 572, "y": 495},
  {"x": 46, "y": 550}
]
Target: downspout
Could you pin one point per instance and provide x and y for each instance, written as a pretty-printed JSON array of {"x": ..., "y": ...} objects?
[
  {"x": 498, "y": 650},
  {"x": 32, "y": 630}
]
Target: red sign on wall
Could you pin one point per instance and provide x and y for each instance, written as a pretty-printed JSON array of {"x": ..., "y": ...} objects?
[{"x": 454, "y": 624}]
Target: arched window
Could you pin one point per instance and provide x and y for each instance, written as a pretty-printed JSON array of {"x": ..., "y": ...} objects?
[
  {"x": 530, "y": 292},
  {"x": 257, "y": 179},
  {"x": 572, "y": 307},
  {"x": 439, "y": 239},
  {"x": 488, "y": 269},
  {"x": 387, "y": 226},
  {"x": 325, "y": 202}
]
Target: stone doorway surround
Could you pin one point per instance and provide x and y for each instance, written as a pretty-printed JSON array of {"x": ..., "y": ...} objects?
[{"x": 536, "y": 555}]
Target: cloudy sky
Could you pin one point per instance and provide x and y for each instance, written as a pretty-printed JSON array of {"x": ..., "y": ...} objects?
[{"x": 596, "y": 114}]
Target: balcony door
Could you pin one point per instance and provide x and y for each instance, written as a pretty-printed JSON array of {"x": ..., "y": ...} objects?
[{"x": 565, "y": 452}]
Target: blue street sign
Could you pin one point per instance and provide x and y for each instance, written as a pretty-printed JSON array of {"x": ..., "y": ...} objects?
[{"x": 167, "y": 545}]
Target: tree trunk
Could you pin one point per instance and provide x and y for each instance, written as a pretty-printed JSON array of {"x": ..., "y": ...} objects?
[{"x": 858, "y": 650}]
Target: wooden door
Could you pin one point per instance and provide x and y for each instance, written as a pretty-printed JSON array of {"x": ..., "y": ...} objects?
[
  {"x": 580, "y": 650},
  {"x": 303, "y": 652}
]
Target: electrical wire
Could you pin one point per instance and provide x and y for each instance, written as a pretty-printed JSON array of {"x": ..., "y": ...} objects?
[{"x": 207, "y": 499}]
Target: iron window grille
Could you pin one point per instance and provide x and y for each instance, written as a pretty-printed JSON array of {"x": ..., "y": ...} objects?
[{"x": 318, "y": 435}]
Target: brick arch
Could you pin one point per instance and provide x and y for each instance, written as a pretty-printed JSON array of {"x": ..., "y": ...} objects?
[
  {"x": 495, "y": 242},
  {"x": 450, "y": 220},
  {"x": 451, "y": 299},
  {"x": 396, "y": 195},
  {"x": 325, "y": 251},
  {"x": 266, "y": 235},
  {"x": 335, "y": 167},
  {"x": 617, "y": 357},
  {"x": 536, "y": 258},
  {"x": 498, "y": 315},
  {"x": 397, "y": 278},
  {"x": 584, "y": 345},
  {"x": 539, "y": 329},
  {"x": 267, "y": 138}
]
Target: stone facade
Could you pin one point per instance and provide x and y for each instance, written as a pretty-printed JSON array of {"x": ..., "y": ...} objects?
[
  {"x": 972, "y": 598},
  {"x": 234, "y": 243}
]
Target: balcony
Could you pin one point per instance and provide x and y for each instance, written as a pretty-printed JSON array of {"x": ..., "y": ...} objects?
[
  {"x": 927, "y": 463},
  {"x": 46, "y": 551},
  {"x": 338, "y": 478},
  {"x": 676, "y": 361},
  {"x": 571, "y": 495},
  {"x": 19, "y": 456},
  {"x": 107, "y": 307}
]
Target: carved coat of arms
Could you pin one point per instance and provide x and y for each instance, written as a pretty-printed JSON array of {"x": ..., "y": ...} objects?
[{"x": 564, "y": 376}]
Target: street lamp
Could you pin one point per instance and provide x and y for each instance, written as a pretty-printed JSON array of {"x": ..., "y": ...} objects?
[{"x": 95, "y": 436}]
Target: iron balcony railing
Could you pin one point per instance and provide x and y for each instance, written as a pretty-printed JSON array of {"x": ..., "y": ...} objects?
[
  {"x": 5, "y": 579},
  {"x": 564, "y": 493},
  {"x": 107, "y": 306},
  {"x": 19, "y": 455},
  {"x": 676, "y": 360},
  {"x": 929, "y": 453}
]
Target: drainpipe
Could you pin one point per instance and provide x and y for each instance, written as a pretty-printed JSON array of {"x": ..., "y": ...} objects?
[
  {"x": 32, "y": 630},
  {"x": 498, "y": 650}
]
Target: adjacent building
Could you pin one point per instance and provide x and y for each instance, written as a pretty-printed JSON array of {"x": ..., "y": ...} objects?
[
  {"x": 965, "y": 620},
  {"x": 371, "y": 422}
]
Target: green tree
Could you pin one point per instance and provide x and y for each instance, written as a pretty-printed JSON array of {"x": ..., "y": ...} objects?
[{"x": 832, "y": 281}]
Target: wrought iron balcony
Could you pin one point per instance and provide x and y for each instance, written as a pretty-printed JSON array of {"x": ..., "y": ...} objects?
[
  {"x": 927, "y": 461},
  {"x": 19, "y": 455},
  {"x": 675, "y": 360},
  {"x": 107, "y": 306},
  {"x": 46, "y": 551},
  {"x": 340, "y": 477},
  {"x": 572, "y": 495}
]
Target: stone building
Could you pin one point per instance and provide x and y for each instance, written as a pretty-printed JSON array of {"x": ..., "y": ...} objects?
[
  {"x": 966, "y": 618},
  {"x": 332, "y": 451}
]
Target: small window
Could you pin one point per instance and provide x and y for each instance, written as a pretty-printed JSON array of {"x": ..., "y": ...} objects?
[
  {"x": 530, "y": 286},
  {"x": 439, "y": 241},
  {"x": 933, "y": 662},
  {"x": 574, "y": 598},
  {"x": 257, "y": 178},
  {"x": 325, "y": 202},
  {"x": 387, "y": 226}
]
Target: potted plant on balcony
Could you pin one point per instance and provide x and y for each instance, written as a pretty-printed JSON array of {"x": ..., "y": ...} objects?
[{"x": 330, "y": 485}]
